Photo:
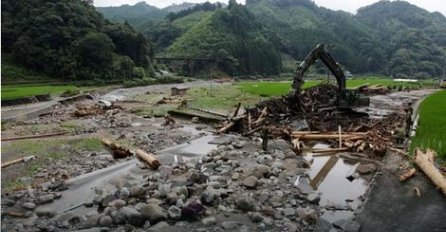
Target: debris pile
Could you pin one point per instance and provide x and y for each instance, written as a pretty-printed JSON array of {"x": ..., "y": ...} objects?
[{"x": 316, "y": 108}]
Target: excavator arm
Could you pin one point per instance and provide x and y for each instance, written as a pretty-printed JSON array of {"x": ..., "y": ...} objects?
[{"x": 346, "y": 98}]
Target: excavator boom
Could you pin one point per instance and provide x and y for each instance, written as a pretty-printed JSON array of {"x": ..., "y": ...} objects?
[{"x": 346, "y": 98}]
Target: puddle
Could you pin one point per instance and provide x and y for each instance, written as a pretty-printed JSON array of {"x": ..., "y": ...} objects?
[
  {"x": 193, "y": 150},
  {"x": 328, "y": 178}
]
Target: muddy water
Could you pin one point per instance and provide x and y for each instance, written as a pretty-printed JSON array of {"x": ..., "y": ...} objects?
[{"x": 327, "y": 176}]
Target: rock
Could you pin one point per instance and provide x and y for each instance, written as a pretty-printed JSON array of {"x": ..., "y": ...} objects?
[
  {"x": 193, "y": 210},
  {"x": 109, "y": 198},
  {"x": 365, "y": 169},
  {"x": 261, "y": 170},
  {"x": 307, "y": 214},
  {"x": 160, "y": 226},
  {"x": 313, "y": 198},
  {"x": 67, "y": 219},
  {"x": 8, "y": 201},
  {"x": 255, "y": 217},
  {"x": 137, "y": 191},
  {"x": 275, "y": 201},
  {"x": 195, "y": 120},
  {"x": 347, "y": 225},
  {"x": 322, "y": 225},
  {"x": 209, "y": 221},
  {"x": 154, "y": 213},
  {"x": 194, "y": 177},
  {"x": 289, "y": 212},
  {"x": 209, "y": 197},
  {"x": 235, "y": 176},
  {"x": 46, "y": 198},
  {"x": 105, "y": 221},
  {"x": 182, "y": 190},
  {"x": 291, "y": 226},
  {"x": 174, "y": 212},
  {"x": 118, "y": 203},
  {"x": 92, "y": 221},
  {"x": 214, "y": 184},
  {"x": 29, "y": 205},
  {"x": 179, "y": 203},
  {"x": 133, "y": 216},
  {"x": 45, "y": 212},
  {"x": 89, "y": 203},
  {"x": 239, "y": 144},
  {"x": 124, "y": 193},
  {"x": 245, "y": 203},
  {"x": 171, "y": 198},
  {"x": 229, "y": 225},
  {"x": 250, "y": 182}
]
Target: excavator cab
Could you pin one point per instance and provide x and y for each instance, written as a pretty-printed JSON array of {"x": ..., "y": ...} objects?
[
  {"x": 347, "y": 98},
  {"x": 350, "y": 98}
]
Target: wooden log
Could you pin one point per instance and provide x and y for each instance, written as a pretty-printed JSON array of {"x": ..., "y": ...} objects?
[
  {"x": 236, "y": 110},
  {"x": 249, "y": 121},
  {"x": 118, "y": 151},
  {"x": 330, "y": 150},
  {"x": 408, "y": 174},
  {"x": 262, "y": 115},
  {"x": 23, "y": 159},
  {"x": 226, "y": 128},
  {"x": 34, "y": 136},
  {"x": 253, "y": 130},
  {"x": 325, "y": 136},
  {"x": 428, "y": 167},
  {"x": 148, "y": 159}
]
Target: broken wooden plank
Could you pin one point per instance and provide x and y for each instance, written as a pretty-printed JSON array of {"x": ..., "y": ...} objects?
[
  {"x": 325, "y": 136},
  {"x": 424, "y": 161},
  {"x": 118, "y": 151},
  {"x": 408, "y": 174},
  {"x": 225, "y": 128},
  {"x": 237, "y": 110},
  {"x": 34, "y": 136},
  {"x": 23, "y": 159},
  {"x": 320, "y": 176},
  {"x": 330, "y": 150},
  {"x": 148, "y": 159}
]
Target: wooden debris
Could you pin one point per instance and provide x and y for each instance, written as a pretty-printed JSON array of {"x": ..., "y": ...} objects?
[
  {"x": 23, "y": 159},
  {"x": 168, "y": 120},
  {"x": 408, "y": 174},
  {"x": 425, "y": 162},
  {"x": 34, "y": 136},
  {"x": 330, "y": 150},
  {"x": 226, "y": 128},
  {"x": 148, "y": 159},
  {"x": 118, "y": 151},
  {"x": 417, "y": 191},
  {"x": 237, "y": 110}
]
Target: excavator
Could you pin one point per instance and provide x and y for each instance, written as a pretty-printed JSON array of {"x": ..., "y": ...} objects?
[{"x": 347, "y": 99}]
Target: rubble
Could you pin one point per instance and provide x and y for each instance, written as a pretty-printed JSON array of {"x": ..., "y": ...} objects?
[{"x": 317, "y": 106}]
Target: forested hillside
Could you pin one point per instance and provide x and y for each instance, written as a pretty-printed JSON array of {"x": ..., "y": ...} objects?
[
  {"x": 414, "y": 39},
  {"x": 136, "y": 15},
  {"x": 235, "y": 38},
  {"x": 69, "y": 40}
]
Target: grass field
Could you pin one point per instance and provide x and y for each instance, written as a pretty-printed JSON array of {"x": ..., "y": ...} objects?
[
  {"x": 431, "y": 131},
  {"x": 18, "y": 91},
  {"x": 279, "y": 88}
]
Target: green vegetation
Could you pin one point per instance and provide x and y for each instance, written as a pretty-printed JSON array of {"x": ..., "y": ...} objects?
[
  {"x": 69, "y": 40},
  {"x": 19, "y": 91},
  {"x": 46, "y": 151},
  {"x": 266, "y": 89},
  {"x": 431, "y": 131}
]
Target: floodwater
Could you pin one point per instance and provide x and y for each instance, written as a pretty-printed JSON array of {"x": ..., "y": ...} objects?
[{"x": 327, "y": 177}]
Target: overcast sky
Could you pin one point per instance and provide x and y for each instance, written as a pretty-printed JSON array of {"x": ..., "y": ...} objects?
[{"x": 346, "y": 5}]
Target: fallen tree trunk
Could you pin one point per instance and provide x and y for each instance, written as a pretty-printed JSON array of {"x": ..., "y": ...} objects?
[
  {"x": 408, "y": 174},
  {"x": 23, "y": 159},
  {"x": 148, "y": 159},
  {"x": 34, "y": 136},
  {"x": 424, "y": 161},
  {"x": 326, "y": 136},
  {"x": 118, "y": 151},
  {"x": 330, "y": 150},
  {"x": 226, "y": 127}
]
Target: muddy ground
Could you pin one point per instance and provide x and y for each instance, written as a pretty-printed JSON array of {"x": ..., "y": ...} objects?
[{"x": 207, "y": 182}]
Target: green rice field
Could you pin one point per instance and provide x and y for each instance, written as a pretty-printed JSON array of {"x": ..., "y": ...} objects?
[{"x": 19, "y": 91}]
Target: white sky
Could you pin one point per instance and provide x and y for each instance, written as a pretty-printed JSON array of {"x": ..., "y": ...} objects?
[{"x": 346, "y": 5}]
